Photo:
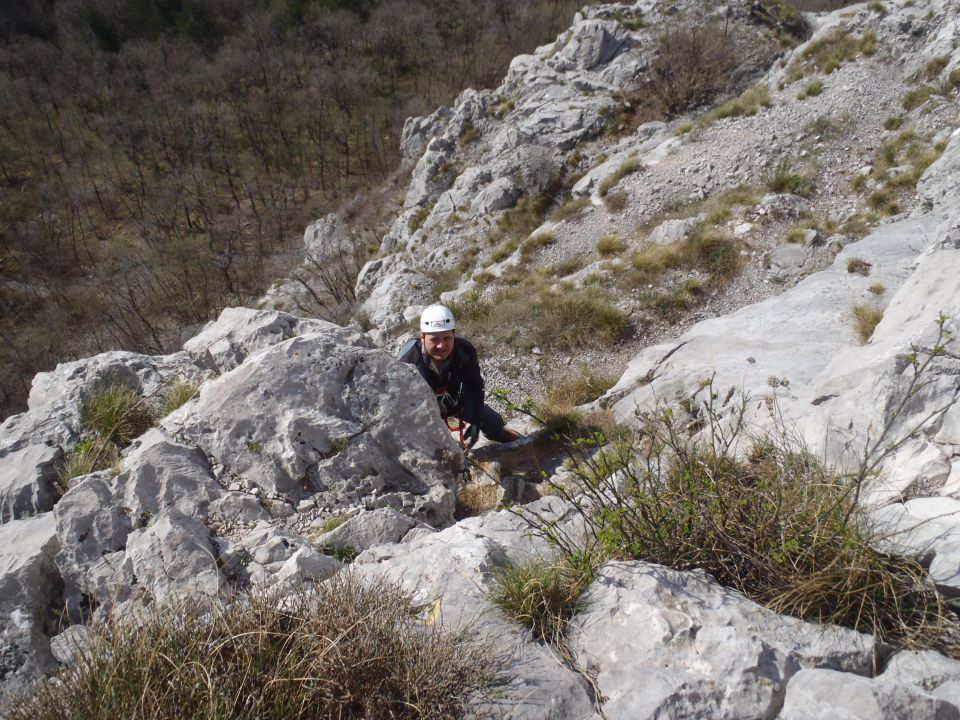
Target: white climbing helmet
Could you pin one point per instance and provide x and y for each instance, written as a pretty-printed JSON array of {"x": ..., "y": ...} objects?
[{"x": 436, "y": 318}]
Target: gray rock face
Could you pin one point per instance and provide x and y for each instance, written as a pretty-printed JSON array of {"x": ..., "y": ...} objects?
[
  {"x": 225, "y": 343},
  {"x": 99, "y": 512},
  {"x": 367, "y": 529},
  {"x": 671, "y": 231},
  {"x": 702, "y": 649},
  {"x": 320, "y": 414},
  {"x": 826, "y": 694},
  {"x": 28, "y": 580},
  {"x": 28, "y": 482},
  {"x": 173, "y": 558}
]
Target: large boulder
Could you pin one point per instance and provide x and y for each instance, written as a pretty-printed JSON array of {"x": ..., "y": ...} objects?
[
  {"x": 670, "y": 644},
  {"x": 28, "y": 598},
  {"x": 449, "y": 574},
  {"x": 327, "y": 415},
  {"x": 97, "y": 515}
]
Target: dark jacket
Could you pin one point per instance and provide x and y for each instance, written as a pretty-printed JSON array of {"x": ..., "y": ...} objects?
[{"x": 459, "y": 386}]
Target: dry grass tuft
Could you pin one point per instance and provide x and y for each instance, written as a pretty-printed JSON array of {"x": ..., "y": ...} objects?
[
  {"x": 865, "y": 320},
  {"x": 346, "y": 649}
]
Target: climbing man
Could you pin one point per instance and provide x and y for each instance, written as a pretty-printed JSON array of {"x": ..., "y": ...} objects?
[{"x": 449, "y": 365}]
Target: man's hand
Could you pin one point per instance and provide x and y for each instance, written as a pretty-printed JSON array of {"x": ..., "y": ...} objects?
[{"x": 471, "y": 435}]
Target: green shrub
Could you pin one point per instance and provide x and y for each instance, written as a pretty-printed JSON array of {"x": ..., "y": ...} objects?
[
  {"x": 859, "y": 266},
  {"x": 830, "y": 52},
  {"x": 116, "y": 413},
  {"x": 419, "y": 217},
  {"x": 571, "y": 208},
  {"x": 774, "y": 523},
  {"x": 893, "y": 122},
  {"x": 615, "y": 201},
  {"x": 913, "y": 99},
  {"x": 784, "y": 180},
  {"x": 343, "y": 649},
  {"x": 535, "y": 313},
  {"x": 177, "y": 395},
  {"x": 714, "y": 251},
  {"x": 865, "y": 320},
  {"x": 795, "y": 235},
  {"x": 877, "y": 288},
  {"x": 884, "y": 200},
  {"x": 532, "y": 244},
  {"x": 469, "y": 134}
]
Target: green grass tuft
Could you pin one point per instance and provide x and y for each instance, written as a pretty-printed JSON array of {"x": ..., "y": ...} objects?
[{"x": 116, "y": 413}]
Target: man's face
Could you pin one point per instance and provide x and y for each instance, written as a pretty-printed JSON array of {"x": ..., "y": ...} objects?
[{"x": 437, "y": 345}]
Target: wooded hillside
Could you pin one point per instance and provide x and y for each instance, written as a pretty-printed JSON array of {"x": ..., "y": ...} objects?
[{"x": 159, "y": 159}]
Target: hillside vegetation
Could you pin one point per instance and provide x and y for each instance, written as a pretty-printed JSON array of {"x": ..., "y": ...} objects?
[{"x": 159, "y": 159}]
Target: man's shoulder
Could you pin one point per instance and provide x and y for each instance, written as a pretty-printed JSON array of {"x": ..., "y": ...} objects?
[
  {"x": 465, "y": 348},
  {"x": 410, "y": 352}
]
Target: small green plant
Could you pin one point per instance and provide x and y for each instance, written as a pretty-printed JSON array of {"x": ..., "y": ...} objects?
[
  {"x": 503, "y": 250},
  {"x": 746, "y": 105},
  {"x": 877, "y": 288},
  {"x": 812, "y": 89},
  {"x": 570, "y": 209},
  {"x": 627, "y": 167},
  {"x": 865, "y": 320},
  {"x": 884, "y": 200},
  {"x": 934, "y": 67},
  {"x": 535, "y": 242},
  {"x": 419, "y": 217},
  {"x": 116, "y": 413},
  {"x": 785, "y": 180},
  {"x": 916, "y": 97},
  {"x": 859, "y": 266},
  {"x": 610, "y": 245},
  {"x": 893, "y": 122},
  {"x": 345, "y": 648},
  {"x": 878, "y": 7},
  {"x": 772, "y": 522},
  {"x": 88, "y": 456},
  {"x": 831, "y": 51},
  {"x": 795, "y": 235},
  {"x": 615, "y": 201},
  {"x": 177, "y": 395},
  {"x": 469, "y": 134},
  {"x": 542, "y": 596}
]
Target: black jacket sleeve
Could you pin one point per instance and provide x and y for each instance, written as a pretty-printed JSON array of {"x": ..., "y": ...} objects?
[{"x": 472, "y": 398}]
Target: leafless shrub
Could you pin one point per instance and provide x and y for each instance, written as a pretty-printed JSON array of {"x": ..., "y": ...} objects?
[{"x": 693, "y": 65}]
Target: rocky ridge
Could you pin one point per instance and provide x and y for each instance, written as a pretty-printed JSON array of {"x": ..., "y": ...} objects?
[{"x": 298, "y": 422}]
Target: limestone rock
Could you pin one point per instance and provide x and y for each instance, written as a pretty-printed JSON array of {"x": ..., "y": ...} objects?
[
  {"x": 318, "y": 415},
  {"x": 703, "y": 650},
  {"x": 367, "y": 529},
  {"x": 225, "y": 343},
  {"x": 448, "y": 573},
  {"x": 173, "y": 558},
  {"x": 671, "y": 231},
  {"x": 827, "y": 694},
  {"x": 28, "y": 598},
  {"x": 28, "y": 481}
]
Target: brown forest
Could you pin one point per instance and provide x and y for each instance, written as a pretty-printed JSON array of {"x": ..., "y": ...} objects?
[{"x": 159, "y": 159}]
